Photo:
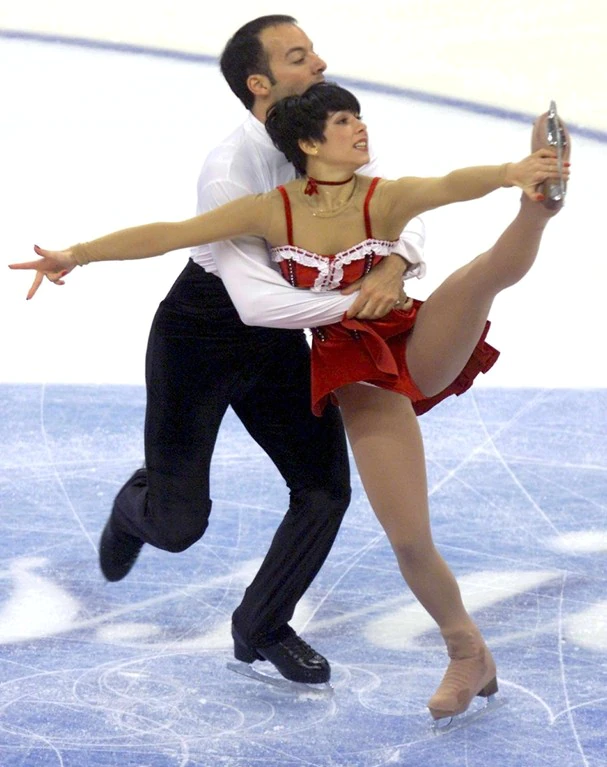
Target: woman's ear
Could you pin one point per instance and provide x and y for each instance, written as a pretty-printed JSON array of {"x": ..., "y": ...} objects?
[{"x": 308, "y": 147}]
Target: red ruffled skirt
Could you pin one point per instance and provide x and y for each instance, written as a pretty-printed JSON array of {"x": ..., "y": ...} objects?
[{"x": 375, "y": 352}]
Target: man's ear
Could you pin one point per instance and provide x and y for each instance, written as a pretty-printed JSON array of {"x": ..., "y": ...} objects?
[{"x": 259, "y": 85}]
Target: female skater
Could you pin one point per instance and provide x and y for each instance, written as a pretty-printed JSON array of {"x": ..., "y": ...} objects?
[{"x": 325, "y": 229}]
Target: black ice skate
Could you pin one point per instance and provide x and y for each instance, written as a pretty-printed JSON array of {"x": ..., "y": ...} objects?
[{"x": 297, "y": 666}]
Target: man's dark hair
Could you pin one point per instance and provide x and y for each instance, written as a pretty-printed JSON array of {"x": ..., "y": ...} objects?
[
  {"x": 304, "y": 117},
  {"x": 244, "y": 56}
]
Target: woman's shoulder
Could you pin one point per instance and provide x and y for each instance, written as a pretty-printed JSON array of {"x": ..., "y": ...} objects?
[
  {"x": 364, "y": 182},
  {"x": 382, "y": 186},
  {"x": 262, "y": 199},
  {"x": 290, "y": 187},
  {"x": 390, "y": 184},
  {"x": 396, "y": 189}
]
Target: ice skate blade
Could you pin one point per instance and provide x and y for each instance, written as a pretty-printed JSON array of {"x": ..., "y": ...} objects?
[
  {"x": 323, "y": 690},
  {"x": 555, "y": 191},
  {"x": 458, "y": 722}
]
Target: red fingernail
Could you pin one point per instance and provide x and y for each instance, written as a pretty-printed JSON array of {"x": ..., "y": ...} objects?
[{"x": 540, "y": 198}]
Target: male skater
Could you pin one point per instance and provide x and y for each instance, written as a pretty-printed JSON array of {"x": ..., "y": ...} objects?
[{"x": 202, "y": 358}]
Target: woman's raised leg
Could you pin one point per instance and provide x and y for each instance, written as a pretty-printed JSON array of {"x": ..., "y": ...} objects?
[{"x": 451, "y": 321}]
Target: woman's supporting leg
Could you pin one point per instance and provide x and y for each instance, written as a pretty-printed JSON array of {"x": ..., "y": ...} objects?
[
  {"x": 388, "y": 449},
  {"x": 451, "y": 321},
  {"x": 387, "y": 446}
]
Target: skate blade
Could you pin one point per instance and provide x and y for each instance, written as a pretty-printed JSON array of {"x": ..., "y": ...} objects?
[
  {"x": 460, "y": 721},
  {"x": 323, "y": 690},
  {"x": 555, "y": 191}
]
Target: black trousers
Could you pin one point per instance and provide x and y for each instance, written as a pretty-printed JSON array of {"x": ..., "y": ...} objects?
[{"x": 201, "y": 359}]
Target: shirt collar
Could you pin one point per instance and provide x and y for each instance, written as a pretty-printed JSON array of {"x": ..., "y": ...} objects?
[{"x": 258, "y": 129}]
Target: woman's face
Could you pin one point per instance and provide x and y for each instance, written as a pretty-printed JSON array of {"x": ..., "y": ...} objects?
[{"x": 346, "y": 140}]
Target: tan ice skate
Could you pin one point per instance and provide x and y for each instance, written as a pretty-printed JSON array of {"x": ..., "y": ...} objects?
[
  {"x": 550, "y": 131},
  {"x": 471, "y": 672}
]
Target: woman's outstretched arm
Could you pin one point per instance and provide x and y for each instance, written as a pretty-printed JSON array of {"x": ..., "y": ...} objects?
[
  {"x": 408, "y": 197},
  {"x": 247, "y": 215}
]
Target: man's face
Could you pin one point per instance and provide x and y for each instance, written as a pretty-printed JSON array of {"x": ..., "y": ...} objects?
[{"x": 293, "y": 63}]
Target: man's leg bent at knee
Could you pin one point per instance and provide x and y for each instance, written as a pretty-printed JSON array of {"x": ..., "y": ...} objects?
[{"x": 188, "y": 379}]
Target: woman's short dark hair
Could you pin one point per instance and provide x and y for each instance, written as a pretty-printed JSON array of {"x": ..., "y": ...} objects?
[
  {"x": 244, "y": 55},
  {"x": 304, "y": 117}
]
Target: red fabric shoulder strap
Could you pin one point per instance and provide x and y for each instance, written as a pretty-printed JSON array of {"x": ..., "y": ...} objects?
[
  {"x": 288, "y": 214},
  {"x": 367, "y": 202}
]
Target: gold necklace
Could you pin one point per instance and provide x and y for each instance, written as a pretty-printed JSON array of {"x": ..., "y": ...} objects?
[{"x": 328, "y": 212}]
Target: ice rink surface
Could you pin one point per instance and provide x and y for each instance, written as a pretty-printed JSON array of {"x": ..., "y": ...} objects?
[{"x": 134, "y": 674}]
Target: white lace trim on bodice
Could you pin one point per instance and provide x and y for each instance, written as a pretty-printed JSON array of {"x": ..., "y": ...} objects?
[{"x": 331, "y": 268}]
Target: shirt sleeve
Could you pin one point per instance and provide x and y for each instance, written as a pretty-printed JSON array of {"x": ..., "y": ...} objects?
[{"x": 260, "y": 294}]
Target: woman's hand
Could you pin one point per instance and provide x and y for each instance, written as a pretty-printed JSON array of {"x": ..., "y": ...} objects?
[
  {"x": 53, "y": 264},
  {"x": 529, "y": 173}
]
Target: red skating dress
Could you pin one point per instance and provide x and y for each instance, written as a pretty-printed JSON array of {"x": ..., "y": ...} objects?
[{"x": 367, "y": 351}]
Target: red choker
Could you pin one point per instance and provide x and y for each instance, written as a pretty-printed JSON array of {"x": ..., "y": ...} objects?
[{"x": 312, "y": 185}]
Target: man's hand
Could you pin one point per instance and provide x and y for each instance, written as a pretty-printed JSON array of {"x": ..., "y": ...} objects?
[
  {"x": 54, "y": 264},
  {"x": 380, "y": 291}
]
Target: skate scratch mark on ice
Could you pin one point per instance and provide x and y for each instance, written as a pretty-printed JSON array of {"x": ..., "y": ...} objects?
[
  {"x": 356, "y": 555},
  {"x": 24, "y": 666},
  {"x": 567, "y": 488},
  {"x": 531, "y": 694},
  {"x": 384, "y": 605},
  {"x": 586, "y": 704},
  {"x": 164, "y": 651},
  {"x": 373, "y": 683},
  {"x": 56, "y": 473},
  {"x": 355, "y": 559},
  {"x": 51, "y": 746},
  {"x": 556, "y": 464},
  {"x": 130, "y": 720},
  {"x": 243, "y": 732},
  {"x": 560, "y": 639},
  {"x": 13, "y": 701},
  {"x": 160, "y": 725},
  {"x": 26, "y": 733},
  {"x": 161, "y": 732},
  {"x": 291, "y": 757},
  {"x": 488, "y": 441},
  {"x": 491, "y": 441},
  {"x": 26, "y": 678},
  {"x": 487, "y": 500}
]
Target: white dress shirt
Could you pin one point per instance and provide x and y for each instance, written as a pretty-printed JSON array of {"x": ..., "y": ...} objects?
[{"x": 247, "y": 162}]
